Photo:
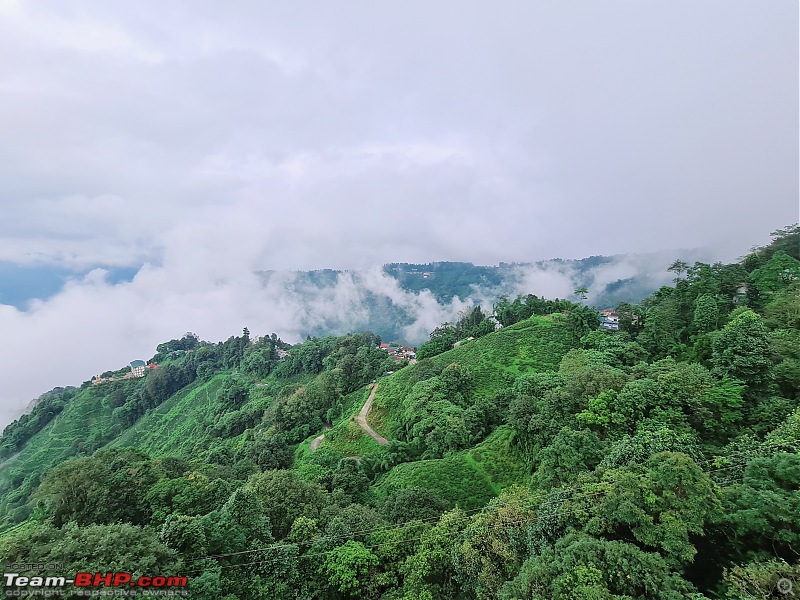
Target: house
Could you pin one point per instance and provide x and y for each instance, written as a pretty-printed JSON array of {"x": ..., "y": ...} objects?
[
  {"x": 609, "y": 320},
  {"x": 137, "y": 368}
]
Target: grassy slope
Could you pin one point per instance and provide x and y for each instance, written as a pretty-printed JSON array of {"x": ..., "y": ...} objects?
[
  {"x": 65, "y": 437},
  {"x": 345, "y": 438},
  {"x": 495, "y": 361},
  {"x": 468, "y": 479},
  {"x": 178, "y": 425},
  {"x": 471, "y": 478}
]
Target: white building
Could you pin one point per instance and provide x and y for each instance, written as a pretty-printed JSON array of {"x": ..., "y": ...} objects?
[{"x": 137, "y": 368}]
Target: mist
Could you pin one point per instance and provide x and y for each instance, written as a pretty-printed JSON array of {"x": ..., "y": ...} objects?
[
  {"x": 200, "y": 147},
  {"x": 93, "y": 325}
]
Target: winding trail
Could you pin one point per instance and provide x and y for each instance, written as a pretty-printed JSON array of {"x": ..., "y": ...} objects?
[
  {"x": 362, "y": 422},
  {"x": 362, "y": 418},
  {"x": 318, "y": 440}
]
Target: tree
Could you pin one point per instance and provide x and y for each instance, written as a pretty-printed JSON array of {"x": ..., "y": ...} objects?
[
  {"x": 109, "y": 486},
  {"x": 664, "y": 504},
  {"x": 778, "y": 273},
  {"x": 503, "y": 311},
  {"x": 760, "y": 579},
  {"x": 706, "y": 314},
  {"x": 631, "y": 318},
  {"x": 787, "y": 377},
  {"x": 741, "y": 350},
  {"x": 678, "y": 267},
  {"x": 442, "y": 339},
  {"x": 271, "y": 452},
  {"x": 346, "y": 567},
  {"x": 232, "y": 395},
  {"x": 429, "y": 572},
  {"x": 763, "y": 511},
  {"x": 285, "y": 498},
  {"x": 582, "y": 320},
  {"x": 408, "y": 504},
  {"x": 647, "y": 441},
  {"x": 581, "y": 566},
  {"x": 568, "y": 455},
  {"x": 783, "y": 311},
  {"x": 96, "y": 548},
  {"x": 185, "y": 535},
  {"x": 493, "y": 545},
  {"x": 664, "y": 324},
  {"x": 473, "y": 322},
  {"x": 582, "y": 293},
  {"x": 350, "y": 478}
]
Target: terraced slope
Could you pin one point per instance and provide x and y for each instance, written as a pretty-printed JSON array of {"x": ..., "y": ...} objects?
[
  {"x": 467, "y": 479},
  {"x": 536, "y": 344},
  {"x": 178, "y": 426},
  {"x": 77, "y": 430}
]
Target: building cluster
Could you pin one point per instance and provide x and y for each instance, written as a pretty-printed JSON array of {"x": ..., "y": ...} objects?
[
  {"x": 399, "y": 352},
  {"x": 138, "y": 369},
  {"x": 609, "y": 319}
]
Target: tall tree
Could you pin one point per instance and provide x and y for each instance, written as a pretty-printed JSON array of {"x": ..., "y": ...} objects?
[
  {"x": 706, "y": 314},
  {"x": 741, "y": 350},
  {"x": 582, "y": 293}
]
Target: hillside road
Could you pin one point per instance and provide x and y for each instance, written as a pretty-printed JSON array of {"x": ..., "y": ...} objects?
[{"x": 362, "y": 418}]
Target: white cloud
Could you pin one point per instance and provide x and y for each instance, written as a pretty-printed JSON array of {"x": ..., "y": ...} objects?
[
  {"x": 93, "y": 326},
  {"x": 546, "y": 280},
  {"x": 210, "y": 143}
]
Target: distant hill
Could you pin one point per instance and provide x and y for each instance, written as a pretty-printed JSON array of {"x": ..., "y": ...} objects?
[
  {"x": 545, "y": 453},
  {"x": 389, "y": 301}
]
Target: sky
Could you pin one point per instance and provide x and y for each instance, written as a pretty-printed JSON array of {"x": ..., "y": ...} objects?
[{"x": 193, "y": 143}]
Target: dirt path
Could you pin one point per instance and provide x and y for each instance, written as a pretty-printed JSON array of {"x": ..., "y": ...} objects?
[
  {"x": 362, "y": 418},
  {"x": 318, "y": 440}
]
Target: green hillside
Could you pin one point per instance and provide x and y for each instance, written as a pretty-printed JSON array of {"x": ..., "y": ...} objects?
[
  {"x": 80, "y": 428},
  {"x": 467, "y": 479},
  {"x": 547, "y": 458},
  {"x": 179, "y": 425},
  {"x": 494, "y": 361}
]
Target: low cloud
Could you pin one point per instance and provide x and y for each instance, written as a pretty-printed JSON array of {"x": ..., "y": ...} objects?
[
  {"x": 94, "y": 325},
  {"x": 549, "y": 279},
  {"x": 207, "y": 145}
]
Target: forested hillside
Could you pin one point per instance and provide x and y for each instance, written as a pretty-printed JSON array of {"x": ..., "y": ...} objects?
[
  {"x": 389, "y": 303},
  {"x": 526, "y": 453}
]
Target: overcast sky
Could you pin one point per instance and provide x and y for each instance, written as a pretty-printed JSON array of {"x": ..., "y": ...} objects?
[{"x": 204, "y": 140}]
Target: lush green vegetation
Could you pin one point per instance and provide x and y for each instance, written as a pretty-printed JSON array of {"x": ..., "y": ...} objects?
[
  {"x": 543, "y": 459},
  {"x": 448, "y": 280},
  {"x": 468, "y": 479}
]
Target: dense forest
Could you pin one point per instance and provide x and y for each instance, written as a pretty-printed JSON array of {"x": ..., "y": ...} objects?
[{"x": 526, "y": 453}]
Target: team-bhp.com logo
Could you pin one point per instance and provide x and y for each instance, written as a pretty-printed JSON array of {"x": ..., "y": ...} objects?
[{"x": 88, "y": 584}]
